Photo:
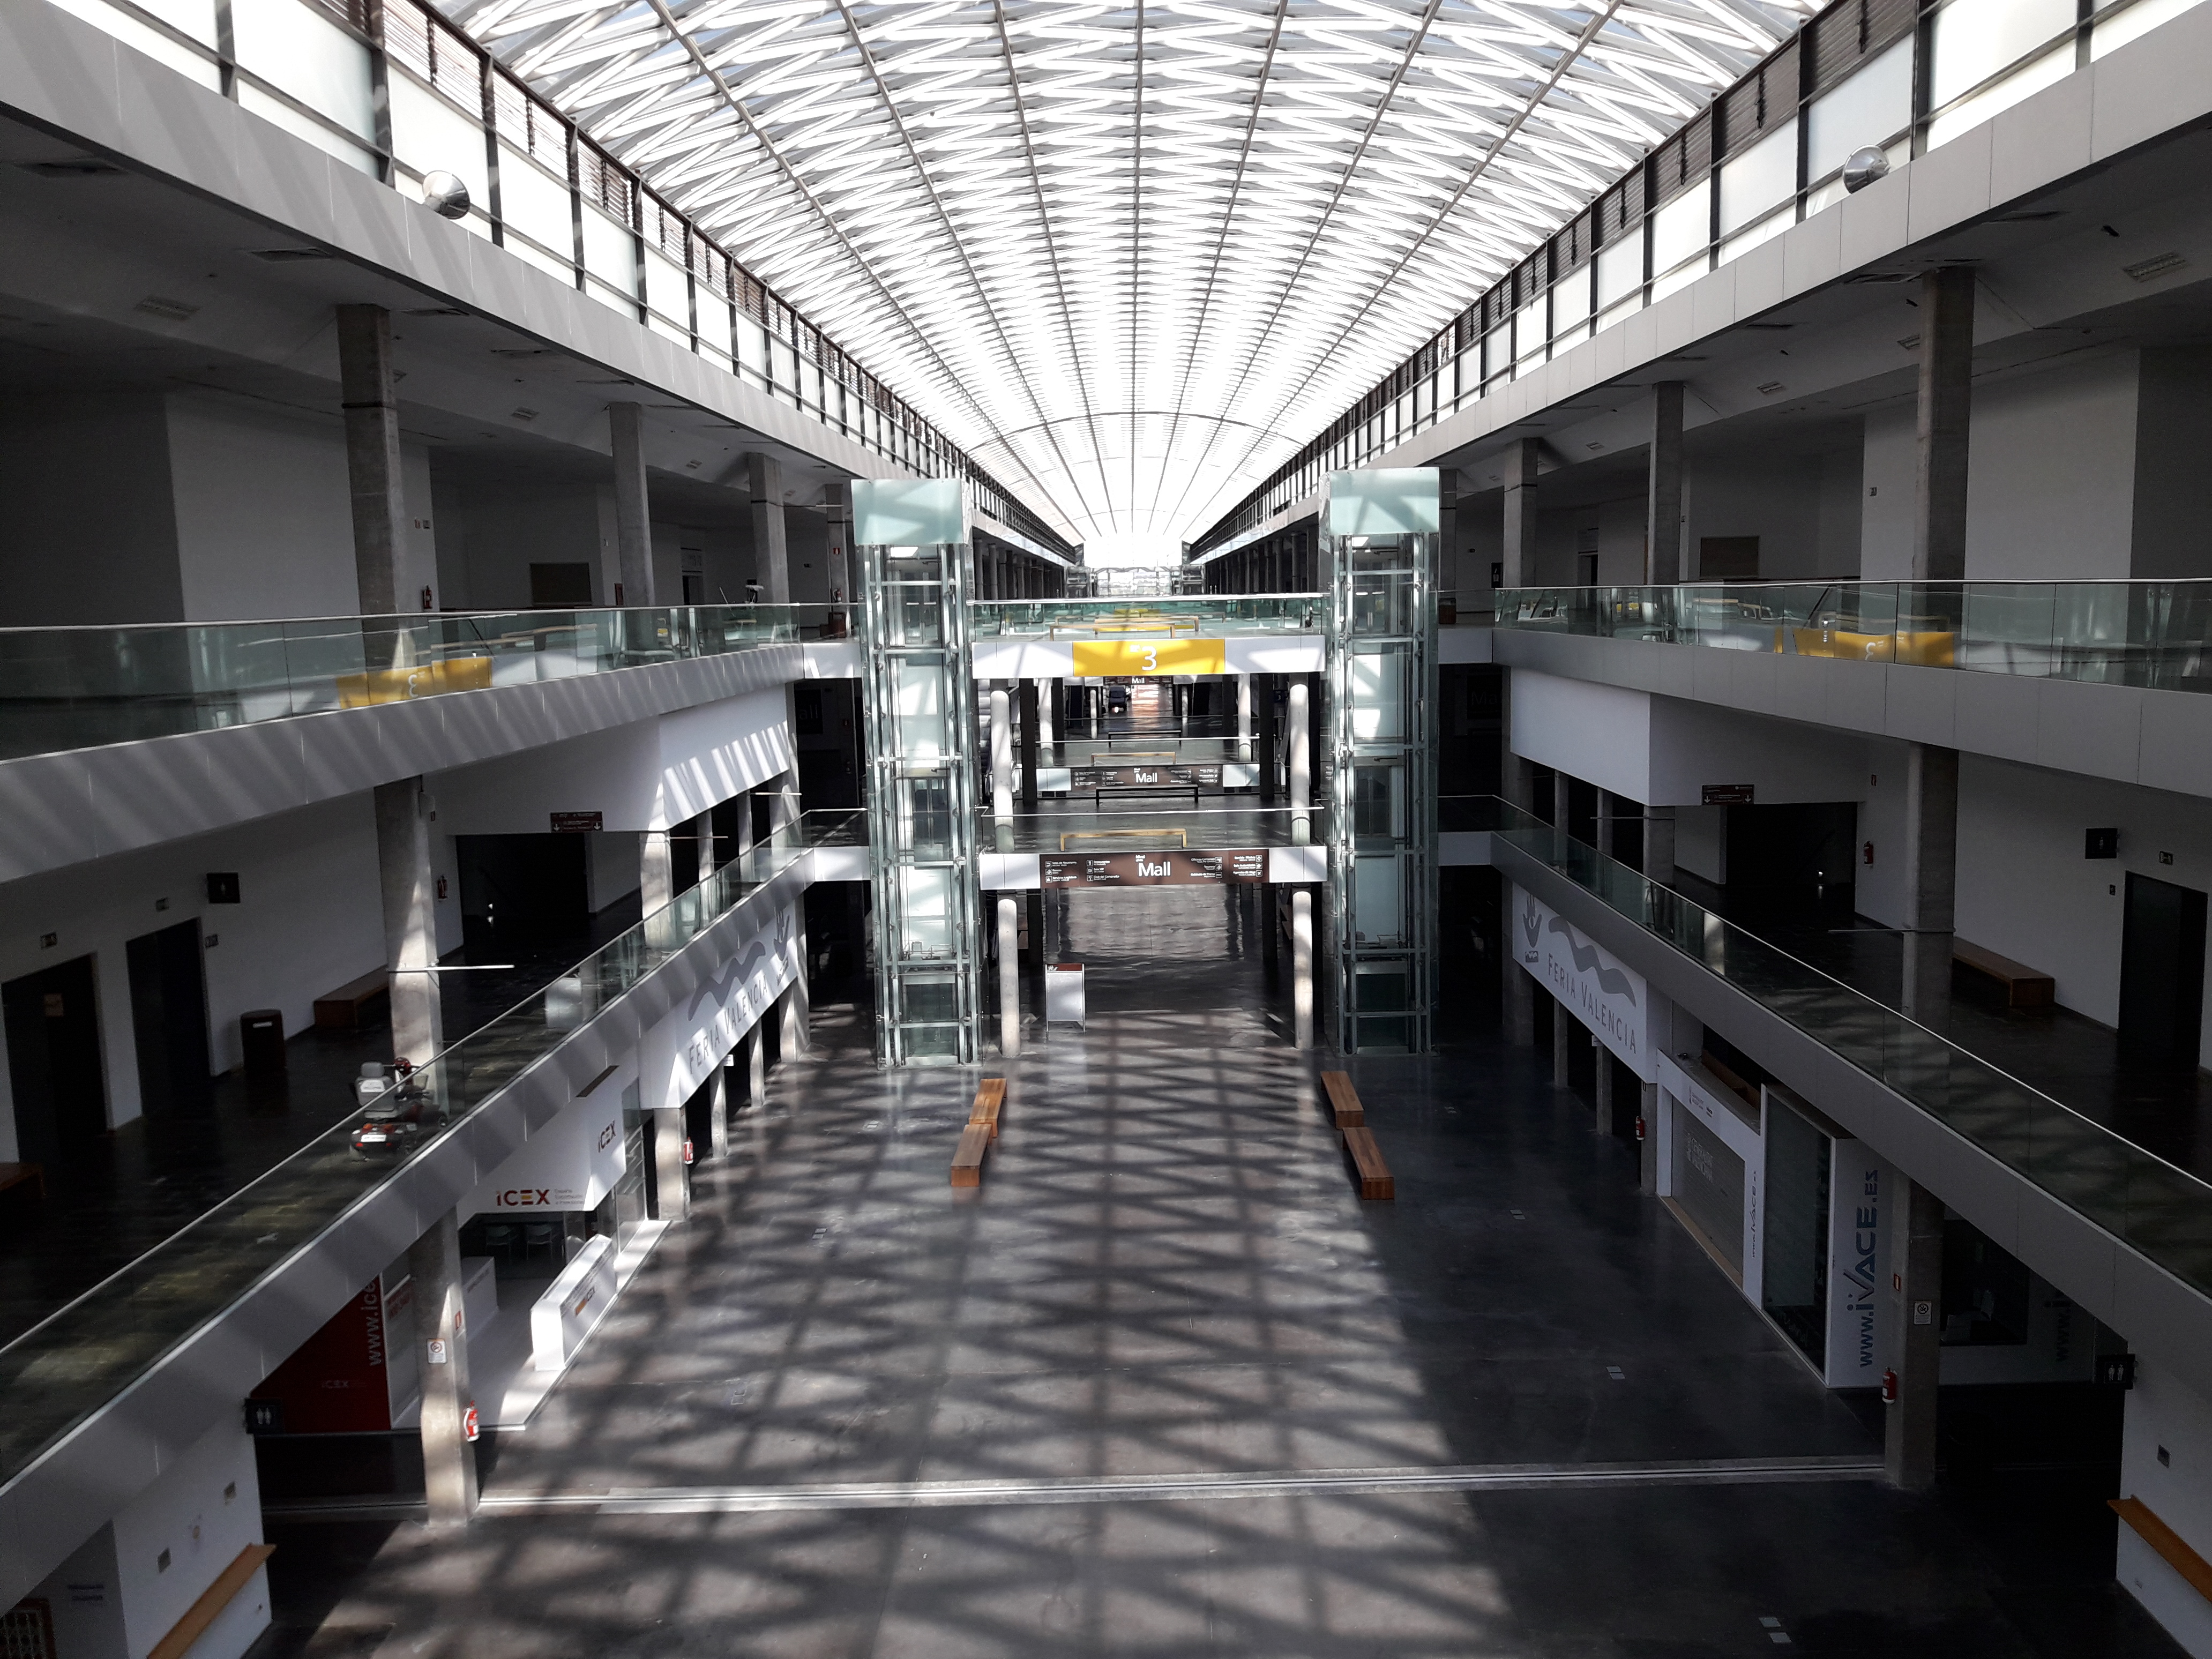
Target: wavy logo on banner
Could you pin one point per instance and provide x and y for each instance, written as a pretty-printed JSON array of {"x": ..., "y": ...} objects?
[
  {"x": 1611, "y": 981},
  {"x": 734, "y": 973}
]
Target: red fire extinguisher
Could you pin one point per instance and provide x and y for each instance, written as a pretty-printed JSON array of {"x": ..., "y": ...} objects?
[
  {"x": 1640, "y": 1126},
  {"x": 1889, "y": 1388},
  {"x": 687, "y": 1152}
]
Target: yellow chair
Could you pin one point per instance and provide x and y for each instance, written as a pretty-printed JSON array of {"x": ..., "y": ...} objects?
[{"x": 429, "y": 679}]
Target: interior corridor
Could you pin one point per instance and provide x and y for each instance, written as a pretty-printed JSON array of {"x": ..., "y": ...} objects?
[{"x": 1107, "y": 1402}]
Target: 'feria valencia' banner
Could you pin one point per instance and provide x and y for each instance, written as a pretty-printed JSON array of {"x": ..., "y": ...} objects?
[
  {"x": 1610, "y": 999},
  {"x": 1116, "y": 659}
]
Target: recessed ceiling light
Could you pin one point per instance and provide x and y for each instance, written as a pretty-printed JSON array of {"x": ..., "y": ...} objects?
[
  {"x": 2157, "y": 265},
  {"x": 175, "y": 311},
  {"x": 80, "y": 166},
  {"x": 289, "y": 255}
]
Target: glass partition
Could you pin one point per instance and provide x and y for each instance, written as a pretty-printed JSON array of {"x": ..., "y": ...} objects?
[
  {"x": 1210, "y": 828},
  {"x": 78, "y": 688},
  {"x": 2157, "y": 634},
  {"x": 67, "y": 1366},
  {"x": 2160, "y": 1209}
]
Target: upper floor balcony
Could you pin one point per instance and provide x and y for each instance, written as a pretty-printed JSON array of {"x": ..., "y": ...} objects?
[{"x": 2099, "y": 678}]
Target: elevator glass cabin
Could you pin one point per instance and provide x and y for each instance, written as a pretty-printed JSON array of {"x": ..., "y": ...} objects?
[
  {"x": 1379, "y": 532},
  {"x": 912, "y": 539},
  {"x": 1375, "y": 811}
]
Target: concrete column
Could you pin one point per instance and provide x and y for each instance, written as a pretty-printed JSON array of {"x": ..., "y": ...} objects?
[
  {"x": 1561, "y": 786},
  {"x": 1663, "y": 517},
  {"x": 1302, "y": 968},
  {"x": 771, "y": 552},
  {"x": 1647, "y": 1147},
  {"x": 1659, "y": 844},
  {"x": 1607, "y": 818},
  {"x": 410, "y": 888},
  {"x": 1266, "y": 690},
  {"x": 1271, "y": 922},
  {"x": 837, "y": 496},
  {"x": 702, "y": 831},
  {"x": 1931, "y": 857},
  {"x": 1517, "y": 989},
  {"x": 1002, "y": 756},
  {"x": 1010, "y": 978},
  {"x": 1917, "y": 1260},
  {"x": 1520, "y": 514},
  {"x": 1301, "y": 765},
  {"x": 633, "y": 524},
  {"x": 742, "y": 805},
  {"x": 449, "y": 1459},
  {"x": 1028, "y": 738},
  {"x": 755, "y": 1050},
  {"x": 656, "y": 872},
  {"x": 672, "y": 1184},
  {"x": 795, "y": 1011},
  {"x": 1049, "y": 721},
  {"x": 1244, "y": 717},
  {"x": 718, "y": 1108},
  {"x": 1566, "y": 1030},
  {"x": 372, "y": 467},
  {"x": 1447, "y": 578},
  {"x": 1947, "y": 373}
]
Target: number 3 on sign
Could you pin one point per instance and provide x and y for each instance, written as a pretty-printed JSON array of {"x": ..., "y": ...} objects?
[{"x": 1152, "y": 659}]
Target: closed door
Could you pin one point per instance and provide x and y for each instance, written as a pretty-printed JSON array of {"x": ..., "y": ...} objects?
[
  {"x": 168, "y": 1016},
  {"x": 53, "y": 1061},
  {"x": 2162, "y": 974}
]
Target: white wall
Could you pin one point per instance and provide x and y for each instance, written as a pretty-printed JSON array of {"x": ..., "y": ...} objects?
[
  {"x": 2026, "y": 890},
  {"x": 650, "y": 775},
  {"x": 1804, "y": 510},
  {"x": 2051, "y": 477},
  {"x": 2162, "y": 1412},
  {"x": 114, "y": 1599},
  {"x": 1878, "y": 895},
  {"x": 1695, "y": 744},
  {"x": 264, "y": 511},
  {"x": 1599, "y": 733},
  {"x": 89, "y": 533},
  {"x": 308, "y": 919}
]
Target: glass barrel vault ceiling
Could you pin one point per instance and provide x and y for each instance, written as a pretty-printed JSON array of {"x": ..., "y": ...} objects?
[{"x": 1129, "y": 256}]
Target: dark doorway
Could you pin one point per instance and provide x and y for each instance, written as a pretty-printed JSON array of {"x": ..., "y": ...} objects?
[
  {"x": 522, "y": 891},
  {"x": 559, "y": 587},
  {"x": 1728, "y": 558},
  {"x": 1793, "y": 860},
  {"x": 53, "y": 1061},
  {"x": 2162, "y": 974},
  {"x": 169, "y": 1017}
]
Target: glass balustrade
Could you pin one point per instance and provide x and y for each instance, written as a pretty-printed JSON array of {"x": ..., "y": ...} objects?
[
  {"x": 65, "y": 1368},
  {"x": 77, "y": 687},
  {"x": 1208, "y": 616},
  {"x": 2161, "y": 1209},
  {"x": 2157, "y": 634}
]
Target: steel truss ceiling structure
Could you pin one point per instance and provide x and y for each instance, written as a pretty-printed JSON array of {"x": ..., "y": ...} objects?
[{"x": 1129, "y": 255}]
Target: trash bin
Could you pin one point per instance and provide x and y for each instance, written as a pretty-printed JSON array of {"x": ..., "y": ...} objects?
[{"x": 261, "y": 1035}]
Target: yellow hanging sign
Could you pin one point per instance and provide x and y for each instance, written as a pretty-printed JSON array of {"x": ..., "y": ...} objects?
[{"x": 1117, "y": 659}]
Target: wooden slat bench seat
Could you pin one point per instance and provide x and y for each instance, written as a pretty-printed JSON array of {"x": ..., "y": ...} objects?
[
  {"x": 1375, "y": 1179},
  {"x": 1343, "y": 1100},
  {"x": 968, "y": 1161},
  {"x": 341, "y": 1010},
  {"x": 990, "y": 1096},
  {"x": 2024, "y": 986}
]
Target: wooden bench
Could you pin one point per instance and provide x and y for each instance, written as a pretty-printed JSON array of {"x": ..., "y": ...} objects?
[
  {"x": 1350, "y": 1117},
  {"x": 1375, "y": 1179},
  {"x": 341, "y": 1010},
  {"x": 1343, "y": 1100},
  {"x": 990, "y": 1096},
  {"x": 2024, "y": 988},
  {"x": 968, "y": 1161}
]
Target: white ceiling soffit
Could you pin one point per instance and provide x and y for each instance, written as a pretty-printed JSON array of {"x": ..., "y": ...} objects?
[{"x": 1129, "y": 256}]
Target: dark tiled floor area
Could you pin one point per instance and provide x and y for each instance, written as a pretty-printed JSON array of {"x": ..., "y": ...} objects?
[
  {"x": 2066, "y": 1055},
  {"x": 151, "y": 1176},
  {"x": 1166, "y": 1272}
]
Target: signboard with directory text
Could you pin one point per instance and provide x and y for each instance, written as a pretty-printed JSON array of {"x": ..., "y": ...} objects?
[{"x": 1168, "y": 868}]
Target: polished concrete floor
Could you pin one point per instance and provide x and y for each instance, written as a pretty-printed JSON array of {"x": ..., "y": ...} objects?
[{"x": 1164, "y": 1385}]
